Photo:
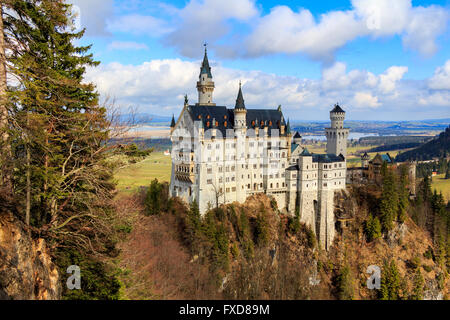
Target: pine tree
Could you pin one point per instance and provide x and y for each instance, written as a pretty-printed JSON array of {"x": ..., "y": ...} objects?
[
  {"x": 389, "y": 201},
  {"x": 390, "y": 282},
  {"x": 59, "y": 132},
  {"x": 419, "y": 283},
  {"x": 373, "y": 228},
  {"x": 403, "y": 194},
  {"x": 345, "y": 283}
]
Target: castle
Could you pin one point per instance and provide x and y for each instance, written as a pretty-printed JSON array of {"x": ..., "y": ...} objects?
[{"x": 222, "y": 155}]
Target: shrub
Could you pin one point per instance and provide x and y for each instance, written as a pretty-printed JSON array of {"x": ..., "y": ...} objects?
[
  {"x": 373, "y": 228},
  {"x": 345, "y": 283},
  {"x": 262, "y": 229},
  {"x": 157, "y": 198}
]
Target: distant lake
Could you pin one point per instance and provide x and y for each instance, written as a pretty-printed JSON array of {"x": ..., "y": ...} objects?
[
  {"x": 149, "y": 128},
  {"x": 353, "y": 135}
]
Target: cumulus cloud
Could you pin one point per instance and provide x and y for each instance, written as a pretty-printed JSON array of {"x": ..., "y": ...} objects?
[
  {"x": 286, "y": 31},
  {"x": 158, "y": 87},
  {"x": 365, "y": 100},
  {"x": 206, "y": 20},
  {"x": 290, "y": 32},
  {"x": 93, "y": 15},
  {"x": 441, "y": 78}
]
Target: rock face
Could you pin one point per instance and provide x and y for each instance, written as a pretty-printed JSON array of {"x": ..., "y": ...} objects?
[{"x": 26, "y": 269}]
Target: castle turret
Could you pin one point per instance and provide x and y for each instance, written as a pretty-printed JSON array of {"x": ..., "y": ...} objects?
[
  {"x": 297, "y": 138},
  {"x": 337, "y": 135},
  {"x": 205, "y": 85},
  {"x": 365, "y": 158},
  {"x": 173, "y": 123},
  {"x": 240, "y": 112}
]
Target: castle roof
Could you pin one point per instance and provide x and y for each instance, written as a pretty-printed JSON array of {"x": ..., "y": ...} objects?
[
  {"x": 288, "y": 126},
  {"x": 206, "y": 69},
  {"x": 240, "y": 103},
  {"x": 306, "y": 153},
  {"x": 297, "y": 135},
  {"x": 337, "y": 109},
  {"x": 365, "y": 156},
  {"x": 327, "y": 158},
  {"x": 172, "y": 125},
  {"x": 256, "y": 118},
  {"x": 294, "y": 146},
  {"x": 380, "y": 158}
]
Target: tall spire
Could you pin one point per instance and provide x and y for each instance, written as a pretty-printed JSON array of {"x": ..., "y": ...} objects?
[
  {"x": 172, "y": 125},
  {"x": 205, "y": 85},
  {"x": 206, "y": 69},
  {"x": 288, "y": 127},
  {"x": 240, "y": 103}
]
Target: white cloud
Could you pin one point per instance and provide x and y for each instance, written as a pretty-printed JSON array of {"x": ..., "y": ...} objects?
[
  {"x": 423, "y": 28},
  {"x": 366, "y": 100},
  {"x": 285, "y": 31},
  {"x": 206, "y": 20},
  {"x": 158, "y": 87},
  {"x": 94, "y": 14},
  {"x": 441, "y": 78},
  {"x": 127, "y": 45},
  {"x": 389, "y": 79}
]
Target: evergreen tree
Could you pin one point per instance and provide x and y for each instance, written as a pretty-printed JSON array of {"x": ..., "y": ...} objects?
[
  {"x": 390, "y": 282},
  {"x": 389, "y": 201},
  {"x": 345, "y": 283},
  {"x": 419, "y": 283},
  {"x": 262, "y": 228},
  {"x": 57, "y": 130},
  {"x": 373, "y": 228},
  {"x": 403, "y": 194},
  {"x": 153, "y": 200}
]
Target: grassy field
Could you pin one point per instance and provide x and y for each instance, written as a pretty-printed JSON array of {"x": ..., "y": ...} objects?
[
  {"x": 134, "y": 176},
  {"x": 442, "y": 185}
]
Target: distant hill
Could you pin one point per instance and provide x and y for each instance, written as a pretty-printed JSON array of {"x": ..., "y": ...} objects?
[{"x": 437, "y": 147}]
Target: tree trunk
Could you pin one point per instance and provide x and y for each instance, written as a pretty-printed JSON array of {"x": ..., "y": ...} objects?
[
  {"x": 4, "y": 177},
  {"x": 28, "y": 206}
]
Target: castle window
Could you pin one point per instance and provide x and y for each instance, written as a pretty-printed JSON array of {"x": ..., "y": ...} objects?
[
  {"x": 209, "y": 181},
  {"x": 233, "y": 189},
  {"x": 208, "y": 117},
  {"x": 225, "y": 117},
  {"x": 225, "y": 124},
  {"x": 208, "y": 124}
]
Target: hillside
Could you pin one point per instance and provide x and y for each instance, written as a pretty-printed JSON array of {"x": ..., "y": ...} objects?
[
  {"x": 435, "y": 148},
  {"x": 251, "y": 251}
]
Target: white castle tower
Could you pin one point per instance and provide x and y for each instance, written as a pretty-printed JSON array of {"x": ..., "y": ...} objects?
[
  {"x": 205, "y": 85},
  {"x": 337, "y": 135}
]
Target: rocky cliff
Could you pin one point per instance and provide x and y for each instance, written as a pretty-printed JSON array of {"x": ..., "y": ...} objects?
[{"x": 26, "y": 269}]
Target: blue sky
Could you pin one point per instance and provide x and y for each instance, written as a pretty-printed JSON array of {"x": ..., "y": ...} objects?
[{"x": 381, "y": 59}]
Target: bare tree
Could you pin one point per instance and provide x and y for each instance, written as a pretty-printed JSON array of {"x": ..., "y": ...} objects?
[{"x": 218, "y": 192}]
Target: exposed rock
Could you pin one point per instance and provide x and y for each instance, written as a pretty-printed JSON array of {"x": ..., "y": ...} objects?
[
  {"x": 432, "y": 291},
  {"x": 26, "y": 269},
  {"x": 396, "y": 236}
]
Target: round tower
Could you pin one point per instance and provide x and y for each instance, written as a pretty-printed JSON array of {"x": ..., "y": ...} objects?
[{"x": 337, "y": 135}]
